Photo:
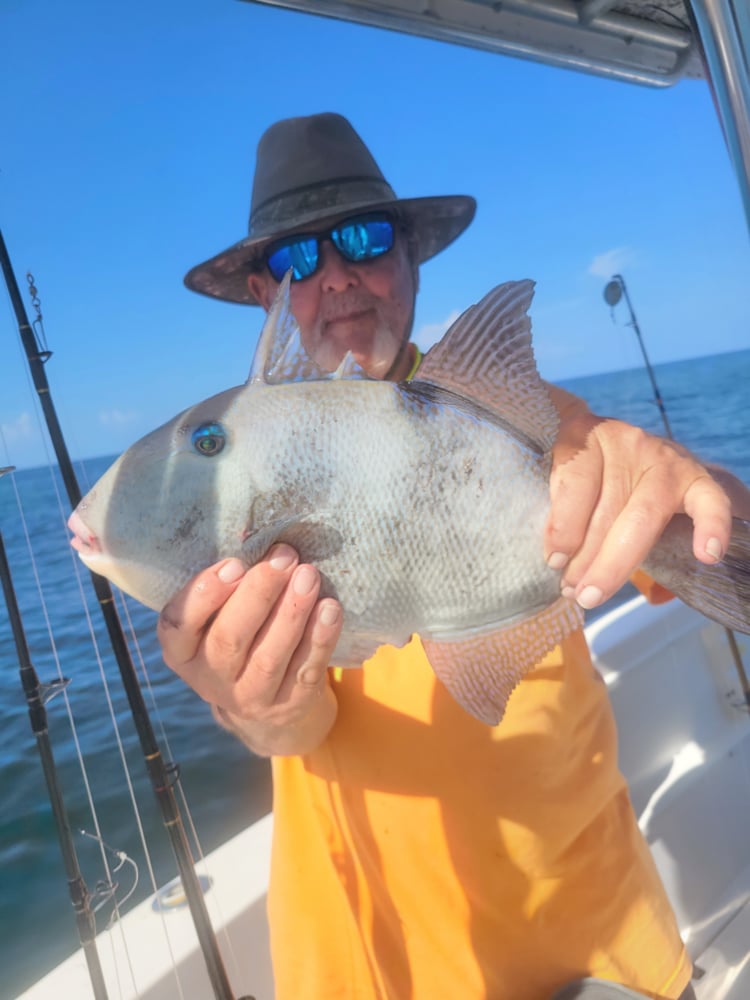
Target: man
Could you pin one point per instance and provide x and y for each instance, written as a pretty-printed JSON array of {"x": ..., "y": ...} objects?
[{"x": 417, "y": 852}]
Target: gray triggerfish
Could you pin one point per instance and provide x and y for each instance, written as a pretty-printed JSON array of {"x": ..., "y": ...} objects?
[{"x": 423, "y": 504}]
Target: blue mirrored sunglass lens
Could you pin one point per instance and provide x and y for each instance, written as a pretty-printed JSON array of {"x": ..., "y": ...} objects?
[
  {"x": 364, "y": 239},
  {"x": 301, "y": 256},
  {"x": 356, "y": 240}
]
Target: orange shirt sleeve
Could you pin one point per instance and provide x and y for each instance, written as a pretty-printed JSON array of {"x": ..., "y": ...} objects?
[{"x": 651, "y": 590}]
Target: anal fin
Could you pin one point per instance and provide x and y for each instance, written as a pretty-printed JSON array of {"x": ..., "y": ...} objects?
[{"x": 482, "y": 670}]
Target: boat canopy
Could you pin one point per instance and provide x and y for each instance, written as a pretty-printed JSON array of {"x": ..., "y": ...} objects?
[
  {"x": 650, "y": 42},
  {"x": 643, "y": 42}
]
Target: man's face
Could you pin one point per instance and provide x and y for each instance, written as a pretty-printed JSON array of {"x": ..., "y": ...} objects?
[{"x": 366, "y": 308}]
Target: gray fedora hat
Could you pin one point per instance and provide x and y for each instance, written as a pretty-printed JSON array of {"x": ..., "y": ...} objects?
[{"x": 310, "y": 172}]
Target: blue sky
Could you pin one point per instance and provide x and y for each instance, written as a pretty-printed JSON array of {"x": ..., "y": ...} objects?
[{"x": 126, "y": 154}]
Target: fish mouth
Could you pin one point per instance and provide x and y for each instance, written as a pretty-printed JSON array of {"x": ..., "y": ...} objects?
[
  {"x": 84, "y": 541},
  {"x": 92, "y": 554}
]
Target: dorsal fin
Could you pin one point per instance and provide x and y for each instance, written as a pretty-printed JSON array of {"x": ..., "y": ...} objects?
[
  {"x": 280, "y": 356},
  {"x": 487, "y": 356}
]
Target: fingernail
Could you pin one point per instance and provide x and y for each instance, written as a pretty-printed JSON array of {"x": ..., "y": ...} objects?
[
  {"x": 231, "y": 571},
  {"x": 304, "y": 580},
  {"x": 329, "y": 614},
  {"x": 282, "y": 557},
  {"x": 713, "y": 549},
  {"x": 590, "y": 597},
  {"x": 557, "y": 560},
  {"x": 569, "y": 592}
]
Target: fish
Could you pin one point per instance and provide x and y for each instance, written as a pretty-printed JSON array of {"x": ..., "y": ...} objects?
[{"x": 422, "y": 503}]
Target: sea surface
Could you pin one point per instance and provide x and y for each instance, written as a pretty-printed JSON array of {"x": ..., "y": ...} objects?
[{"x": 224, "y": 787}]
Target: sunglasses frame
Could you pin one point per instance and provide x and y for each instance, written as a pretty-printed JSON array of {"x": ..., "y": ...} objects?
[{"x": 377, "y": 216}]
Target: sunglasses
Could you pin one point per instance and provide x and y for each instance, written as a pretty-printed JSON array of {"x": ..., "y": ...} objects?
[{"x": 363, "y": 237}]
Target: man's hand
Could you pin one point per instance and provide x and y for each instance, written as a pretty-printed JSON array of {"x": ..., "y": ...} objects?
[
  {"x": 256, "y": 644},
  {"x": 614, "y": 488}
]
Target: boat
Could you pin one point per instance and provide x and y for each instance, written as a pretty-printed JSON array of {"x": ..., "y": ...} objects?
[
  {"x": 688, "y": 766},
  {"x": 687, "y": 760}
]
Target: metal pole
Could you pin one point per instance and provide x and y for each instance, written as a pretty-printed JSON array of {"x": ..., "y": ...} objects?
[
  {"x": 724, "y": 30},
  {"x": 163, "y": 778}
]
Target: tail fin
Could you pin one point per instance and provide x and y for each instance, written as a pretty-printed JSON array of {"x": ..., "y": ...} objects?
[{"x": 722, "y": 591}]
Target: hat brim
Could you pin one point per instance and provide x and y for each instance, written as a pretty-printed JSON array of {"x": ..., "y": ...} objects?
[{"x": 435, "y": 222}]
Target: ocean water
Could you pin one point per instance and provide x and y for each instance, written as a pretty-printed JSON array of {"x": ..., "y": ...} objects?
[{"x": 224, "y": 787}]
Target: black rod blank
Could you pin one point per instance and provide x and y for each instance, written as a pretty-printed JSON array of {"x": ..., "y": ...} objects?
[
  {"x": 79, "y": 894},
  {"x": 162, "y": 777}
]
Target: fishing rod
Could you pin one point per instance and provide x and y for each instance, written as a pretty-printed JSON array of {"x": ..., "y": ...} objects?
[
  {"x": 163, "y": 776},
  {"x": 612, "y": 295},
  {"x": 613, "y": 292},
  {"x": 37, "y": 696}
]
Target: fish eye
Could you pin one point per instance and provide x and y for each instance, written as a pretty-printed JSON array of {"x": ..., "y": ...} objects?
[{"x": 209, "y": 439}]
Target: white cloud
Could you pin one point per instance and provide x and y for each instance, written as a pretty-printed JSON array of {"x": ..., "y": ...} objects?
[
  {"x": 117, "y": 418},
  {"x": 604, "y": 265},
  {"x": 20, "y": 429},
  {"x": 430, "y": 333}
]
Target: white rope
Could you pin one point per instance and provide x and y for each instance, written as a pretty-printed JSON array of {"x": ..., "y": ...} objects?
[{"x": 156, "y": 712}]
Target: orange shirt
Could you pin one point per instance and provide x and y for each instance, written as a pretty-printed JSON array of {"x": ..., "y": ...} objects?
[{"x": 419, "y": 854}]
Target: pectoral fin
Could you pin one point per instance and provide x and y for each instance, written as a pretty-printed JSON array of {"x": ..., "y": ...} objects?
[{"x": 482, "y": 671}]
